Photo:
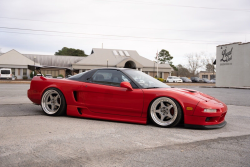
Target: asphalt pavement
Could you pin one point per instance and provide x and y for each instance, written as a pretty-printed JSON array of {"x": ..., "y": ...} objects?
[{"x": 30, "y": 138}]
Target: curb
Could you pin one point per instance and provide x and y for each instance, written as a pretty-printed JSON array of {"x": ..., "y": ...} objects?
[
  {"x": 225, "y": 87},
  {"x": 15, "y": 82}
]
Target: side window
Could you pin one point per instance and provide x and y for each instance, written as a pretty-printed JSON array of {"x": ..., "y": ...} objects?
[{"x": 110, "y": 77}]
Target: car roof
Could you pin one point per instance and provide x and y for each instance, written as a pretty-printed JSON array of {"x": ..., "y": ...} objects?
[{"x": 113, "y": 68}]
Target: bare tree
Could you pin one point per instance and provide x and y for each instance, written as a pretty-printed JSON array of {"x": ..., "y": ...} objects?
[
  {"x": 209, "y": 60},
  {"x": 195, "y": 61},
  {"x": 182, "y": 71}
]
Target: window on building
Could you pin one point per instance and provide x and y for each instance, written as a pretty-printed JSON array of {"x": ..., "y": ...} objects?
[
  {"x": 160, "y": 74},
  {"x": 115, "y": 52},
  {"x": 212, "y": 77},
  {"x": 19, "y": 71},
  {"x": 13, "y": 71},
  {"x": 205, "y": 76},
  {"x": 126, "y": 53},
  {"x": 121, "y": 53},
  {"x": 25, "y": 71}
]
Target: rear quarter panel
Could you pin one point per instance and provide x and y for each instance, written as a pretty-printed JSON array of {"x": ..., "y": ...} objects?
[{"x": 40, "y": 84}]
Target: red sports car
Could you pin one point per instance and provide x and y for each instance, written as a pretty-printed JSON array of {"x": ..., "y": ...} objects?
[{"x": 127, "y": 95}]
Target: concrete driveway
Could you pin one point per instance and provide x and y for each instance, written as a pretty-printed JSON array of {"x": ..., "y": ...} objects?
[{"x": 30, "y": 138}]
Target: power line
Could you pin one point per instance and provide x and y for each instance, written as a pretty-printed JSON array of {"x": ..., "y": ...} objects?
[
  {"x": 105, "y": 35},
  {"x": 183, "y": 6},
  {"x": 115, "y": 39},
  {"x": 58, "y": 22}
]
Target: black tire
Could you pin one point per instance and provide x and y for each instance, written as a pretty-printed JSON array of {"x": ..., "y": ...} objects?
[
  {"x": 47, "y": 108},
  {"x": 153, "y": 115}
]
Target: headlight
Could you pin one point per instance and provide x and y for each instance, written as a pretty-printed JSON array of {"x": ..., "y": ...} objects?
[{"x": 210, "y": 110}]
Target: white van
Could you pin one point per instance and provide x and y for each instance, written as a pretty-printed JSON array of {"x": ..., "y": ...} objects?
[{"x": 5, "y": 73}]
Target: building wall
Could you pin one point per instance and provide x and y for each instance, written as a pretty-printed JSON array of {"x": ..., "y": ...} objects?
[
  {"x": 54, "y": 72},
  {"x": 208, "y": 74},
  {"x": 233, "y": 65},
  {"x": 163, "y": 75}
]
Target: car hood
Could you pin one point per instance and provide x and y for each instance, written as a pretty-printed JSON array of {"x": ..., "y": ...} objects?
[{"x": 197, "y": 94}]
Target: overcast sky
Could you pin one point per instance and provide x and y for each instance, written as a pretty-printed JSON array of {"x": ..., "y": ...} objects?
[{"x": 181, "y": 27}]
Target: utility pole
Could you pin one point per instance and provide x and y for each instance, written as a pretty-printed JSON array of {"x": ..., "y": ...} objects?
[
  {"x": 154, "y": 70},
  {"x": 107, "y": 63},
  {"x": 34, "y": 65},
  {"x": 213, "y": 73},
  {"x": 157, "y": 64}
]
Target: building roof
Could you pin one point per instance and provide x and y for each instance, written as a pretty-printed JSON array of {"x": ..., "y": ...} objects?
[
  {"x": 54, "y": 60},
  {"x": 13, "y": 57},
  {"x": 101, "y": 56},
  {"x": 239, "y": 43}
]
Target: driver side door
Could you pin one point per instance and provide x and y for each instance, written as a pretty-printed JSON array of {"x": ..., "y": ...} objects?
[{"x": 104, "y": 94}]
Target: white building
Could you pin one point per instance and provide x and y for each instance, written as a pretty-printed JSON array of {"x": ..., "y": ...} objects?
[
  {"x": 17, "y": 62},
  {"x": 233, "y": 65},
  {"x": 65, "y": 64}
]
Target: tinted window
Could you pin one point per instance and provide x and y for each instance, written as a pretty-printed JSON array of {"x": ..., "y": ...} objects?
[
  {"x": 77, "y": 76},
  {"x": 110, "y": 77},
  {"x": 5, "y": 71}
]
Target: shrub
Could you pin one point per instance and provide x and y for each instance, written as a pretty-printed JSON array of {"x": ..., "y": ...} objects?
[
  {"x": 25, "y": 77},
  {"x": 60, "y": 75},
  {"x": 161, "y": 79},
  {"x": 31, "y": 74}
]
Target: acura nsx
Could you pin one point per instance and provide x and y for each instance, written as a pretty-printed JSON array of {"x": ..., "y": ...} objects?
[{"x": 127, "y": 95}]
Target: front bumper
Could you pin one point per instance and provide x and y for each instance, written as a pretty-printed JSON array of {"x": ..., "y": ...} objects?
[
  {"x": 204, "y": 120},
  {"x": 216, "y": 126}
]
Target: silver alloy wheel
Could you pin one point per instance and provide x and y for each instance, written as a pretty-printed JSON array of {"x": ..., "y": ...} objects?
[
  {"x": 163, "y": 111},
  {"x": 51, "y": 102}
]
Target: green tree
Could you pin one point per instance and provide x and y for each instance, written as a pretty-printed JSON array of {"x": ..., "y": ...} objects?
[
  {"x": 165, "y": 57},
  {"x": 70, "y": 52},
  {"x": 31, "y": 74}
]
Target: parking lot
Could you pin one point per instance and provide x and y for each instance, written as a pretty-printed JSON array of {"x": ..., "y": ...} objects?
[{"x": 30, "y": 138}]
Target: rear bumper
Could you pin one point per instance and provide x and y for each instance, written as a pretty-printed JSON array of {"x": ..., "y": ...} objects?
[
  {"x": 34, "y": 96},
  {"x": 216, "y": 126}
]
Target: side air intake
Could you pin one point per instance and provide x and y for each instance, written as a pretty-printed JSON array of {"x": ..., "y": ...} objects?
[{"x": 75, "y": 95}]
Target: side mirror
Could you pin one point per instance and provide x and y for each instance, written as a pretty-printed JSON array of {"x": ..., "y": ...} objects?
[{"x": 126, "y": 85}]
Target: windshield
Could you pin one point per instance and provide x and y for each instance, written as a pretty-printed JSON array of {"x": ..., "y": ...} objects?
[{"x": 145, "y": 80}]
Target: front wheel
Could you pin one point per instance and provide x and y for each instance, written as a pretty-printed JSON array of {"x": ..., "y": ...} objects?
[
  {"x": 53, "y": 102},
  {"x": 165, "y": 112}
]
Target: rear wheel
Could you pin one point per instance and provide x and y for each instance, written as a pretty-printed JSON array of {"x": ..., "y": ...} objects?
[
  {"x": 165, "y": 112},
  {"x": 53, "y": 102}
]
